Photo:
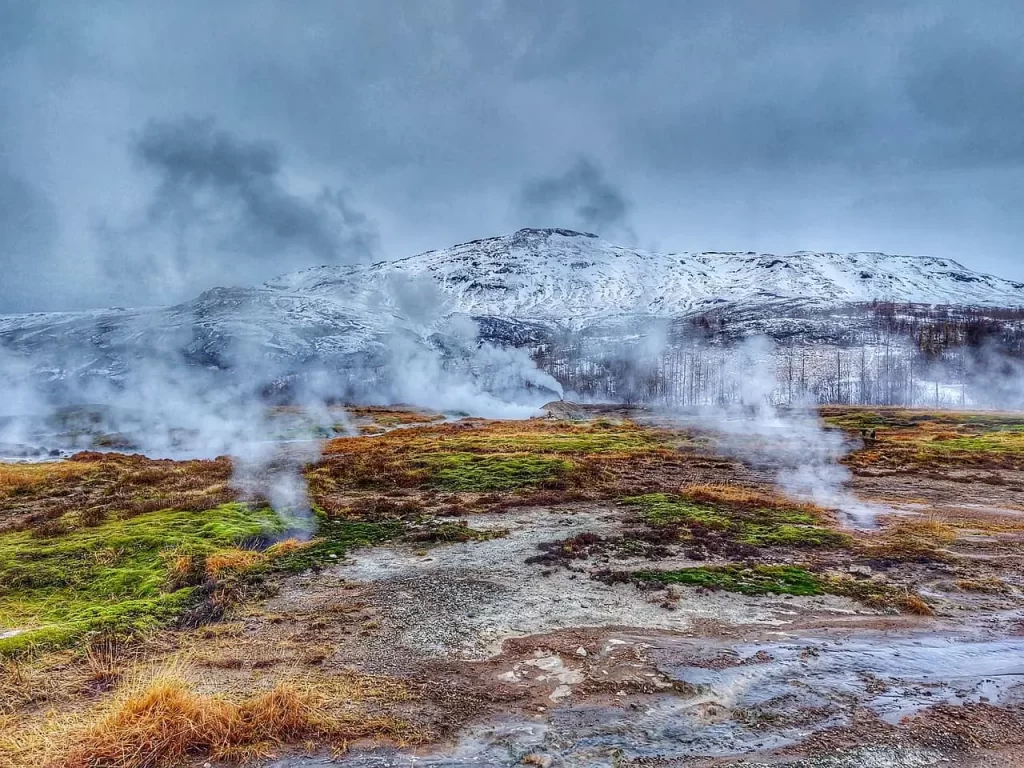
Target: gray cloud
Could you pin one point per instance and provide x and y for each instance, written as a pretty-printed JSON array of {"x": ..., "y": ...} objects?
[
  {"x": 735, "y": 125},
  {"x": 581, "y": 197},
  {"x": 221, "y": 205},
  {"x": 27, "y": 225}
]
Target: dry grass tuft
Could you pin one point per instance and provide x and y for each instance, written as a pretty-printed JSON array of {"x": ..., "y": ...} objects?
[
  {"x": 288, "y": 547},
  {"x": 928, "y": 528},
  {"x": 234, "y": 559},
  {"x": 167, "y": 723},
  {"x": 992, "y": 584},
  {"x": 912, "y": 603}
]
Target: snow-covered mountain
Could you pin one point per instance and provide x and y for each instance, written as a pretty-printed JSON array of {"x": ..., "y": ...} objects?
[
  {"x": 520, "y": 287},
  {"x": 565, "y": 277}
]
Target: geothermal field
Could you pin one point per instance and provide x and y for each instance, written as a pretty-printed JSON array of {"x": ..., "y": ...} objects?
[{"x": 597, "y": 585}]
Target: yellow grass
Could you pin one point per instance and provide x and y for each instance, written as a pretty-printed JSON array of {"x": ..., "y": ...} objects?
[
  {"x": 22, "y": 478},
  {"x": 231, "y": 560},
  {"x": 166, "y": 722},
  {"x": 741, "y": 496}
]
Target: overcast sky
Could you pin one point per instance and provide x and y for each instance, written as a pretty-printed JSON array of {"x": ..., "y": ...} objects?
[{"x": 149, "y": 150}]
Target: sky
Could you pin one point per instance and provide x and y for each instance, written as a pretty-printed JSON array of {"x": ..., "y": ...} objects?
[{"x": 152, "y": 150}]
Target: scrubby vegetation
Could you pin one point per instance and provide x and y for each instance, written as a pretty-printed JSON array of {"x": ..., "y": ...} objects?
[
  {"x": 922, "y": 439},
  {"x": 110, "y": 565},
  {"x": 125, "y": 575},
  {"x": 753, "y": 579},
  {"x": 483, "y": 457},
  {"x": 91, "y": 487},
  {"x": 737, "y": 515},
  {"x": 747, "y": 580}
]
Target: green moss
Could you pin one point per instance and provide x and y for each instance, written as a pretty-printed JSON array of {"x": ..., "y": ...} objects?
[
  {"x": 792, "y": 536},
  {"x": 757, "y": 526},
  {"x": 453, "y": 532},
  {"x": 668, "y": 509},
  {"x": 786, "y": 580},
  {"x": 595, "y": 440},
  {"x": 333, "y": 539},
  {"x": 474, "y": 472},
  {"x": 1008, "y": 440},
  {"x": 115, "y": 575},
  {"x": 756, "y": 580}
]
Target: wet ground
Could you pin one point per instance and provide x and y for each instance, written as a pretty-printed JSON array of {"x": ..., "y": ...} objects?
[{"x": 582, "y": 673}]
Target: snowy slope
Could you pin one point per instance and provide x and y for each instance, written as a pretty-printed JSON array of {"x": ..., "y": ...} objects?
[
  {"x": 521, "y": 286},
  {"x": 569, "y": 277}
]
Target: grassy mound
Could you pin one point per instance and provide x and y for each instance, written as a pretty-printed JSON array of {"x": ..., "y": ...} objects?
[
  {"x": 122, "y": 575},
  {"x": 756, "y": 580},
  {"x": 738, "y": 515},
  {"x": 917, "y": 438}
]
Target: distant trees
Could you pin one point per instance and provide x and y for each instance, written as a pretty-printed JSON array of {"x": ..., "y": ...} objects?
[{"x": 881, "y": 353}]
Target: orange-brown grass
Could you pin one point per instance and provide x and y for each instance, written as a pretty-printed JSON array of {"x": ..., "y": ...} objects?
[
  {"x": 394, "y": 415},
  {"x": 910, "y": 540},
  {"x": 926, "y": 528},
  {"x": 167, "y": 723},
  {"x": 911, "y": 603},
  {"x": 595, "y": 457},
  {"x": 16, "y": 479},
  {"x": 287, "y": 547},
  {"x": 991, "y": 584},
  {"x": 95, "y": 486},
  {"x": 233, "y": 559},
  {"x": 751, "y": 498},
  {"x": 924, "y": 439}
]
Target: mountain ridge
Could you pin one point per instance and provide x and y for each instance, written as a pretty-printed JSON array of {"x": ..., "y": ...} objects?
[
  {"x": 523, "y": 289},
  {"x": 558, "y": 274}
]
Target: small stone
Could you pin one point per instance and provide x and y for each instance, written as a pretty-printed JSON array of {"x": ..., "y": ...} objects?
[
  {"x": 620, "y": 693},
  {"x": 560, "y": 692},
  {"x": 534, "y": 758},
  {"x": 581, "y": 651}
]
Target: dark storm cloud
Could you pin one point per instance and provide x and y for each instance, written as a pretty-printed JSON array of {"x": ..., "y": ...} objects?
[
  {"x": 739, "y": 125},
  {"x": 581, "y": 197},
  {"x": 206, "y": 172},
  {"x": 222, "y": 201}
]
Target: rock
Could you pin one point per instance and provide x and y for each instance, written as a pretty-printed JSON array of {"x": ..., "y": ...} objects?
[
  {"x": 560, "y": 692},
  {"x": 581, "y": 651},
  {"x": 535, "y": 758}
]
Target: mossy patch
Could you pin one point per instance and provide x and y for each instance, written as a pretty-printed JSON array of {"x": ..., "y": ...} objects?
[
  {"x": 922, "y": 438},
  {"x": 786, "y": 580},
  {"x": 755, "y": 580},
  {"x": 502, "y": 472},
  {"x": 333, "y": 539},
  {"x": 133, "y": 575},
  {"x": 763, "y": 526},
  {"x": 116, "y": 575}
]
